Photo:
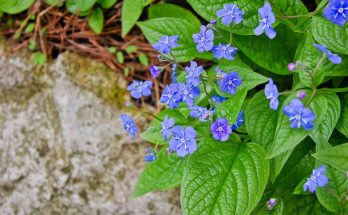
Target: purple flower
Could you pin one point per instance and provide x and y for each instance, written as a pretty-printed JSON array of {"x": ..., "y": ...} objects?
[
  {"x": 150, "y": 156},
  {"x": 139, "y": 88},
  {"x": 166, "y": 43},
  {"x": 291, "y": 67},
  {"x": 204, "y": 39},
  {"x": 230, "y": 13},
  {"x": 334, "y": 58},
  {"x": 167, "y": 125},
  {"x": 317, "y": 179},
  {"x": 200, "y": 112},
  {"x": 337, "y": 11},
  {"x": 155, "y": 71},
  {"x": 239, "y": 121},
  {"x": 230, "y": 82},
  {"x": 129, "y": 125},
  {"x": 271, "y": 93},
  {"x": 188, "y": 93},
  {"x": 224, "y": 51},
  {"x": 174, "y": 80},
  {"x": 170, "y": 96},
  {"x": 267, "y": 19},
  {"x": 299, "y": 115},
  {"x": 301, "y": 95},
  {"x": 192, "y": 73},
  {"x": 218, "y": 100},
  {"x": 271, "y": 203},
  {"x": 221, "y": 130},
  {"x": 183, "y": 141}
]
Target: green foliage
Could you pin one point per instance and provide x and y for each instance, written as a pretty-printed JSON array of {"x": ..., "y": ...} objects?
[
  {"x": 342, "y": 124},
  {"x": 96, "y": 20},
  {"x": 39, "y": 58},
  {"x": 339, "y": 152},
  {"x": 164, "y": 173},
  {"x": 15, "y": 6},
  {"x": 217, "y": 180},
  {"x": 131, "y": 11}
]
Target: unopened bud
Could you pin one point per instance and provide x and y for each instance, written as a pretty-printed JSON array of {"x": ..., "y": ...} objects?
[
  {"x": 271, "y": 203},
  {"x": 301, "y": 94},
  {"x": 292, "y": 67}
]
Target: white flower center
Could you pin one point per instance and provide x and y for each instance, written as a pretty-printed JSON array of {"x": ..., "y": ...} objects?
[
  {"x": 182, "y": 140},
  {"x": 340, "y": 10},
  {"x": 229, "y": 82},
  {"x": 202, "y": 39},
  {"x": 186, "y": 92},
  {"x": 220, "y": 129},
  {"x": 170, "y": 95}
]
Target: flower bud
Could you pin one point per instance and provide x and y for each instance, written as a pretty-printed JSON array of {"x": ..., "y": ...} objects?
[
  {"x": 271, "y": 203},
  {"x": 292, "y": 67},
  {"x": 301, "y": 94}
]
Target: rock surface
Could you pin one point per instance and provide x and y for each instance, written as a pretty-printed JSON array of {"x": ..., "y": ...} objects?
[{"x": 62, "y": 147}]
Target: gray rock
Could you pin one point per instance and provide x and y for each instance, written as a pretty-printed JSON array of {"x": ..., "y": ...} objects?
[{"x": 62, "y": 146}]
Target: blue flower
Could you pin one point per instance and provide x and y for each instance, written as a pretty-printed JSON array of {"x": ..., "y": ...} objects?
[
  {"x": 230, "y": 82},
  {"x": 230, "y": 13},
  {"x": 204, "y": 39},
  {"x": 267, "y": 19},
  {"x": 166, "y": 43},
  {"x": 271, "y": 93},
  {"x": 170, "y": 96},
  {"x": 219, "y": 74},
  {"x": 139, "y": 88},
  {"x": 192, "y": 73},
  {"x": 239, "y": 121},
  {"x": 299, "y": 115},
  {"x": 221, "y": 130},
  {"x": 129, "y": 125},
  {"x": 183, "y": 141},
  {"x": 155, "y": 71},
  {"x": 188, "y": 93},
  {"x": 167, "y": 125},
  {"x": 150, "y": 156},
  {"x": 224, "y": 51},
  {"x": 334, "y": 58},
  {"x": 218, "y": 100},
  {"x": 174, "y": 79},
  {"x": 200, "y": 112},
  {"x": 337, "y": 11},
  {"x": 317, "y": 179}
]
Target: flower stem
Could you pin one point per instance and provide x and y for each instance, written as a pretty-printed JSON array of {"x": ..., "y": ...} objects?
[{"x": 318, "y": 10}]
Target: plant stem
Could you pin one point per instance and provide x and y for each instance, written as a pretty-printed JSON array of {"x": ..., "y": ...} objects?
[
  {"x": 335, "y": 90},
  {"x": 318, "y": 10}
]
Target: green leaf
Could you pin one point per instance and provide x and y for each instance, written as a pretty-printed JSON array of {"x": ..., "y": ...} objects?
[
  {"x": 336, "y": 157},
  {"x": 120, "y": 57},
  {"x": 331, "y": 117},
  {"x": 162, "y": 174},
  {"x": 224, "y": 178},
  {"x": 261, "y": 120},
  {"x": 56, "y": 3},
  {"x": 298, "y": 166},
  {"x": 96, "y": 20},
  {"x": 131, "y": 49},
  {"x": 335, "y": 37},
  {"x": 15, "y": 6},
  {"x": 287, "y": 138},
  {"x": 153, "y": 133},
  {"x": 230, "y": 108},
  {"x": 208, "y": 9},
  {"x": 342, "y": 124},
  {"x": 143, "y": 59},
  {"x": 333, "y": 195},
  {"x": 39, "y": 58},
  {"x": 112, "y": 50},
  {"x": 30, "y": 27},
  {"x": 106, "y": 4},
  {"x": 131, "y": 11},
  {"x": 154, "y": 29},
  {"x": 305, "y": 205},
  {"x": 172, "y": 10},
  {"x": 273, "y": 55},
  {"x": 74, "y": 6}
]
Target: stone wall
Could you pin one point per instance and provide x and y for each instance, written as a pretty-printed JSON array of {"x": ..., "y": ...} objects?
[{"x": 62, "y": 146}]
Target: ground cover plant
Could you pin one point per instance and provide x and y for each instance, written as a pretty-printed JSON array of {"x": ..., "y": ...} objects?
[{"x": 264, "y": 128}]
